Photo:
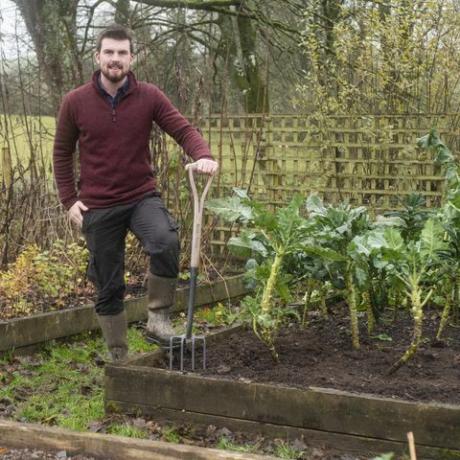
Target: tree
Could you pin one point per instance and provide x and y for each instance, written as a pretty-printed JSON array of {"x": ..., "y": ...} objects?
[{"x": 53, "y": 29}]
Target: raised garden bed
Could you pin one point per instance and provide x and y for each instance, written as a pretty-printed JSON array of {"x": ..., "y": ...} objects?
[
  {"x": 103, "y": 446},
  {"x": 323, "y": 396},
  {"x": 36, "y": 329}
]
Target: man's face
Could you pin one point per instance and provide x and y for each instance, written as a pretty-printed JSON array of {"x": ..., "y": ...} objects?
[{"x": 114, "y": 59}]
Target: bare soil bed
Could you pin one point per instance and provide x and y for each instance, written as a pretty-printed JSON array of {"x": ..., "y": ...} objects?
[{"x": 321, "y": 355}]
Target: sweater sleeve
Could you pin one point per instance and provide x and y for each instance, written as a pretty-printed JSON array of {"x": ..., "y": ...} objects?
[
  {"x": 170, "y": 120},
  {"x": 63, "y": 153}
]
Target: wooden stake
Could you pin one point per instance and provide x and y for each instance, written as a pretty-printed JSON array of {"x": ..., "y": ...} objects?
[{"x": 410, "y": 438}]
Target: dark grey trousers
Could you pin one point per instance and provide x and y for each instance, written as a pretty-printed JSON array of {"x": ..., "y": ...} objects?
[{"x": 105, "y": 231}]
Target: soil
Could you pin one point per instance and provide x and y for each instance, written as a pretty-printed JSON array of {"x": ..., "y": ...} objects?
[{"x": 321, "y": 355}]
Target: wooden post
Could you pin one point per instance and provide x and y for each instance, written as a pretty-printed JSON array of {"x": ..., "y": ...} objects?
[{"x": 410, "y": 438}]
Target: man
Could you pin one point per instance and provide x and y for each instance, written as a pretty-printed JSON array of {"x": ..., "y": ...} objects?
[{"x": 111, "y": 119}]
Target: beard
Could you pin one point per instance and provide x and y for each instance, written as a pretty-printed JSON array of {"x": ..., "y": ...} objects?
[{"x": 114, "y": 77}]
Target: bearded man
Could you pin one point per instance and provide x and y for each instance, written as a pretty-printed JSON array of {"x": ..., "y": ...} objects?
[{"x": 111, "y": 119}]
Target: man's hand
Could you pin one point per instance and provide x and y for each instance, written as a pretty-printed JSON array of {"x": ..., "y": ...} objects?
[
  {"x": 206, "y": 166},
  {"x": 75, "y": 213}
]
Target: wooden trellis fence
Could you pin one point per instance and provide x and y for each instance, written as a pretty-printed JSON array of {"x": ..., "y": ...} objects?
[{"x": 368, "y": 160}]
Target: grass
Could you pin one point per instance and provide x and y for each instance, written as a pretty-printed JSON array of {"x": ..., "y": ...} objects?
[
  {"x": 285, "y": 450},
  {"x": 124, "y": 429},
  {"x": 26, "y": 135},
  {"x": 60, "y": 388},
  {"x": 226, "y": 443},
  {"x": 170, "y": 434},
  {"x": 64, "y": 385}
]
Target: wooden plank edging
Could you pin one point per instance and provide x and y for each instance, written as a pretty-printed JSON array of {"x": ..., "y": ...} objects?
[
  {"x": 107, "y": 447},
  {"x": 435, "y": 425},
  {"x": 32, "y": 330},
  {"x": 338, "y": 442}
]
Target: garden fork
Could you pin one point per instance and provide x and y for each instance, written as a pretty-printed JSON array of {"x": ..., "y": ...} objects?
[{"x": 181, "y": 341}]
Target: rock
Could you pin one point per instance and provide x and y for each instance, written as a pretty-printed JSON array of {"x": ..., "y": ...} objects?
[
  {"x": 223, "y": 369},
  {"x": 139, "y": 422},
  {"x": 298, "y": 444},
  {"x": 224, "y": 432}
]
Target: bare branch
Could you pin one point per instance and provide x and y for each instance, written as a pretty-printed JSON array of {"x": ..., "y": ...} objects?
[{"x": 191, "y": 4}]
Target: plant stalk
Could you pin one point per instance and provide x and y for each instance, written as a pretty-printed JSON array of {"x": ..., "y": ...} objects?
[
  {"x": 351, "y": 290},
  {"x": 445, "y": 315},
  {"x": 417, "y": 310},
  {"x": 370, "y": 313},
  {"x": 267, "y": 297}
]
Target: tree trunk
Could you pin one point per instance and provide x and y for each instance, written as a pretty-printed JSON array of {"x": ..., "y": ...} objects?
[{"x": 52, "y": 27}]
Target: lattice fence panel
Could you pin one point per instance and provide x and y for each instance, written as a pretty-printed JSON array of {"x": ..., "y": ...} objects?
[{"x": 366, "y": 160}]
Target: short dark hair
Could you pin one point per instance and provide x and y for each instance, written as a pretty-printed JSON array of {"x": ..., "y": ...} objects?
[{"x": 117, "y": 32}]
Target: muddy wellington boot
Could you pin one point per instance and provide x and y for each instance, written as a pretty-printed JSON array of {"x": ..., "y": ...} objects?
[
  {"x": 115, "y": 331},
  {"x": 161, "y": 294}
]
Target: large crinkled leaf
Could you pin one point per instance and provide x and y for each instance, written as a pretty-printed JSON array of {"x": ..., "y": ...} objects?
[
  {"x": 388, "y": 221},
  {"x": 245, "y": 244},
  {"x": 358, "y": 247},
  {"x": 432, "y": 141},
  {"x": 361, "y": 276},
  {"x": 290, "y": 224},
  {"x": 241, "y": 193},
  {"x": 455, "y": 202},
  {"x": 395, "y": 241},
  {"x": 375, "y": 240},
  {"x": 315, "y": 205},
  {"x": 230, "y": 209},
  {"x": 431, "y": 238},
  {"x": 328, "y": 255},
  {"x": 264, "y": 219}
]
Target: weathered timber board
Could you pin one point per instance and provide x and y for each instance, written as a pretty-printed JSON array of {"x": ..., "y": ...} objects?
[
  {"x": 23, "y": 332},
  {"x": 107, "y": 447},
  {"x": 340, "y": 442},
  {"x": 434, "y": 425}
]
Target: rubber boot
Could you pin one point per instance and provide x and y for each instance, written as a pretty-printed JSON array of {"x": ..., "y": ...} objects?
[
  {"x": 115, "y": 331},
  {"x": 161, "y": 294}
]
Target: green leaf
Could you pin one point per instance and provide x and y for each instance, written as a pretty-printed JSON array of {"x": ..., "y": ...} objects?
[
  {"x": 361, "y": 276},
  {"x": 245, "y": 244},
  {"x": 376, "y": 240},
  {"x": 326, "y": 254},
  {"x": 432, "y": 141},
  {"x": 315, "y": 205},
  {"x": 241, "y": 193},
  {"x": 394, "y": 239},
  {"x": 431, "y": 238},
  {"x": 388, "y": 221},
  {"x": 358, "y": 247},
  {"x": 230, "y": 209}
]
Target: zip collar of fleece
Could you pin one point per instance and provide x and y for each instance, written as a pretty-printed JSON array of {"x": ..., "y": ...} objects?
[{"x": 131, "y": 79}]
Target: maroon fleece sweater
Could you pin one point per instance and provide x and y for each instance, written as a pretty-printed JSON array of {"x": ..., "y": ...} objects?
[{"x": 115, "y": 160}]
